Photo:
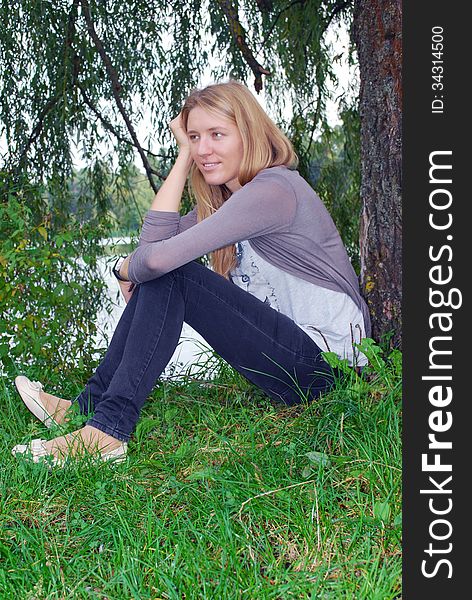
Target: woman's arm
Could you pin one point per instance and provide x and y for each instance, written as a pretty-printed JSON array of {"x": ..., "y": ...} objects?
[
  {"x": 169, "y": 194},
  {"x": 162, "y": 225},
  {"x": 126, "y": 288},
  {"x": 265, "y": 205},
  {"x": 163, "y": 220}
]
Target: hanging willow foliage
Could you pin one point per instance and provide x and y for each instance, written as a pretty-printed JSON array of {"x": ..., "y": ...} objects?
[
  {"x": 98, "y": 81},
  {"x": 81, "y": 72}
]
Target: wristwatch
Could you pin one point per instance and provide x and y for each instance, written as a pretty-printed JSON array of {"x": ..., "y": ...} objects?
[{"x": 116, "y": 269}]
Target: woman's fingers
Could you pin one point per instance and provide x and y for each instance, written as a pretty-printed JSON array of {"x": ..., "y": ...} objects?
[
  {"x": 178, "y": 131},
  {"x": 126, "y": 288}
]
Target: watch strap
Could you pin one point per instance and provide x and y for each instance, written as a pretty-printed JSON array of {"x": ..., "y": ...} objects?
[{"x": 116, "y": 270}]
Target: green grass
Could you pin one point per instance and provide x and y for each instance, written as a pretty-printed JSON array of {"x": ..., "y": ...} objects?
[{"x": 224, "y": 495}]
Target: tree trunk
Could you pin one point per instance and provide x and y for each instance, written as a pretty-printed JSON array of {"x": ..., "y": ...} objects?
[{"x": 377, "y": 32}]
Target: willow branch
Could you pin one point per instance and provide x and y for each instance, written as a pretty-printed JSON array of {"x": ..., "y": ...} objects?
[
  {"x": 239, "y": 35},
  {"x": 274, "y": 22},
  {"x": 265, "y": 5},
  {"x": 340, "y": 6},
  {"x": 116, "y": 88},
  {"x": 315, "y": 121},
  {"x": 51, "y": 103},
  {"x": 109, "y": 127}
]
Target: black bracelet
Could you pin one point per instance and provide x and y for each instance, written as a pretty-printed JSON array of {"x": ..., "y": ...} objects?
[{"x": 116, "y": 272}]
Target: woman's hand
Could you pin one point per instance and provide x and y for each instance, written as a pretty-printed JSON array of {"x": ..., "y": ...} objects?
[
  {"x": 126, "y": 288},
  {"x": 121, "y": 274},
  {"x": 123, "y": 270},
  {"x": 178, "y": 131}
]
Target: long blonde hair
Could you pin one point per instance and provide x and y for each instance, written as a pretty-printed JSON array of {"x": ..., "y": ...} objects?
[{"x": 264, "y": 145}]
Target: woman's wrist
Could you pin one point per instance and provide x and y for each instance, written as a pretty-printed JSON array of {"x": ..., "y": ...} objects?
[
  {"x": 185, "y": 156},
  {"x": 169, "y": 195},
  {"x": 120, "y": 269}
]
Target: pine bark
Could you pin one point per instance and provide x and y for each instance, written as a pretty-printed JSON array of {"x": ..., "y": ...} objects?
[{"x": 377, "y": 33}]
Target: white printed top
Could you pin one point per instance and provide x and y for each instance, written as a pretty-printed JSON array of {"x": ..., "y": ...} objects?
[{"x": 331, "y": 319}]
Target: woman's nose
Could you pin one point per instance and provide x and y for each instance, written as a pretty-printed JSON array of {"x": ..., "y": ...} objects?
[{"x": 204, "y": 146}]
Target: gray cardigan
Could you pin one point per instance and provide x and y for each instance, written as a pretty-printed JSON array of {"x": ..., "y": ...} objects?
[{"x": 282, "y": 217}]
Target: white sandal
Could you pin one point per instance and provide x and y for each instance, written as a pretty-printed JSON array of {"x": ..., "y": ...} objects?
[
  {"x": 30, "y": 394},
  {"x": 36, "y": 451}
]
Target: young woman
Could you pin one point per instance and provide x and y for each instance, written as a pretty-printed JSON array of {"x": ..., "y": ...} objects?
[{"x": 281, "y": 289}]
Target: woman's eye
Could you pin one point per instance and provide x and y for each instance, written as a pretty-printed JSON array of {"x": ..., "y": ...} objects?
[{"x": 193, "y": 136}]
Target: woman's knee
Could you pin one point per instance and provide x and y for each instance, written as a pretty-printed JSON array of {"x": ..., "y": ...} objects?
[{"x": 190, "y": 267}]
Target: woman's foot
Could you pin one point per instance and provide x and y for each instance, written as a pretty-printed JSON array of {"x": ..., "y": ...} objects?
[
  {"x": 88, "y": 440},
  {"x": 56, "y": 407},
  {"x": 49, "y": 409}
]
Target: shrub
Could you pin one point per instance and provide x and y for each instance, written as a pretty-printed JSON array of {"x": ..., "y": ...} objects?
[{"x": 50, "y": 286}]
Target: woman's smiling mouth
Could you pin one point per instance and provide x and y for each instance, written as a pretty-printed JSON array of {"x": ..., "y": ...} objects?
[{"x": 209, "y": 166}]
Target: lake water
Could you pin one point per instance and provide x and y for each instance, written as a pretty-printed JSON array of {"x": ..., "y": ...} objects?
[{"x": 191, "y": 344}]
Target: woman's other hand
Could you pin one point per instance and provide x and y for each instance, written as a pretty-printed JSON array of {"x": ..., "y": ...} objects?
[
  {"x": 126, "y": 288},
  {"x": 178, "y": 131}
]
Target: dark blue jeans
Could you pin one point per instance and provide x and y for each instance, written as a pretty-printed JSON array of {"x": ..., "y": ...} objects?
[{"x": 264, "y": 345}]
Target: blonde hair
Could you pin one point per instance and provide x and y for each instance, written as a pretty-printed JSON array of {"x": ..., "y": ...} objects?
[{"x": 264, "y": 145}]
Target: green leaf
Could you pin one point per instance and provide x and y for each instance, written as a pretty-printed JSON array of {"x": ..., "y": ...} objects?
[
  {"x": 335, "y": 362},
  {"x": 382, "y": 511},
  {"x": 170, "y": 415},
  {"x": 206, "y": 473},
  {"x": 42, "y": 232},
  {"x": 373, "y": 352},
  {"x": 319, "y": 458},
  {"x": 307, "y": 471}
]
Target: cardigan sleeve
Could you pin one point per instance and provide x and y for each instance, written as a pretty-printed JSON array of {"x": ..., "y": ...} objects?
[
  {"x": 162, "y": 224},
  {"x": 265, "y": 205}
]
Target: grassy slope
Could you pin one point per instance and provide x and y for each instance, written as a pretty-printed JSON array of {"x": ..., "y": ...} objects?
[{"x": 224, "y": 495}]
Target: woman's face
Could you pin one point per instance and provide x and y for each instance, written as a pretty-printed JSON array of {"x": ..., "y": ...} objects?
[{"x": 216, "y": 147}]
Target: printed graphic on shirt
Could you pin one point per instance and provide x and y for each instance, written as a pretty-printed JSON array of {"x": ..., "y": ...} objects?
[{"x": 247, "y": 275}]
